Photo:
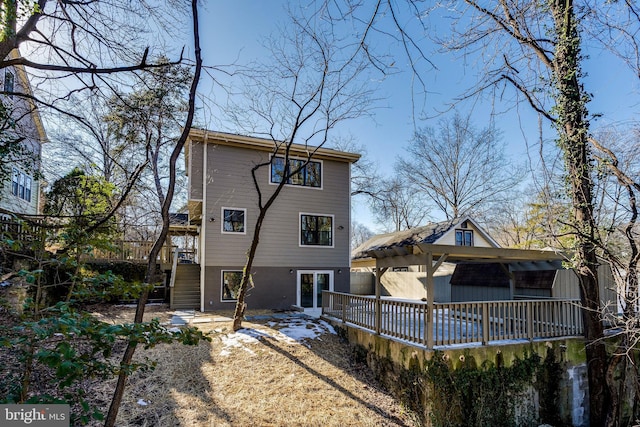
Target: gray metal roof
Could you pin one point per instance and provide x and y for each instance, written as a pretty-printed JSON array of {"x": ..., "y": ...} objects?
[{"x": 426, "y": 234}]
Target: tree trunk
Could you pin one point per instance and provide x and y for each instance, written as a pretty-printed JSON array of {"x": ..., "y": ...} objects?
[
  {"x": 238, "y": 315},
  {"x": 127, "y": 357},
  {"x": 573, "y": 132}
]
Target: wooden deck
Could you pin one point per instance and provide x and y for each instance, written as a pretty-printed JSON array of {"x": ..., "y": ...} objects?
[
  {"x": 32, "y": 229},
  {"x": 465, "y": 323}
]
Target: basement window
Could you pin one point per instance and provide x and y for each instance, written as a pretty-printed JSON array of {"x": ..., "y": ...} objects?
[{"x": 231, "y": 285}]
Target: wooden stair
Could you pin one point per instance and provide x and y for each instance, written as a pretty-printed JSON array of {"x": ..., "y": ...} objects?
[{"x": 185, "y": 294}]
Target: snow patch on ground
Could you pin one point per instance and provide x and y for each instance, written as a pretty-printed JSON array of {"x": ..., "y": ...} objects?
[{"x": 291, "y": 330}]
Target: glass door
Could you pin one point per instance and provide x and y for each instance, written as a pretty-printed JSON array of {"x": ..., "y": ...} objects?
[
  {"x": 310, "y": 287},
  {"x": 322, "y": 284},
  {"x": 305, "y": 288}
]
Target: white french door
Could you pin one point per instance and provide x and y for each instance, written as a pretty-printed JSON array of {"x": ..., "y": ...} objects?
[{"x": 311, "y": 283}]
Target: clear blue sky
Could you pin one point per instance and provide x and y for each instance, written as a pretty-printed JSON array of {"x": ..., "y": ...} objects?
[{"x": 232, "y": 30}]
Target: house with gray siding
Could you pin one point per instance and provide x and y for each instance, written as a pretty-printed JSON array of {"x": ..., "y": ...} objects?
[
  {"x": 20, "y": 193},
  {"x": 304, "y": 243}
]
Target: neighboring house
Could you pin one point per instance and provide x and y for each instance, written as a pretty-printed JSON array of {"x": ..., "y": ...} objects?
[
  {"x": 21, "y": 192},
  {"x": 304, "y": 243},
  {"x": 407, "y": 281},
  {"x": 459, "y": 232},
  {"x": 470, "y": 266}
]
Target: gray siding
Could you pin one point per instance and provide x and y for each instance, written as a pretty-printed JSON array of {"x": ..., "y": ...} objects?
[
  {"x": 478, "y": 293},
  {"x": 566, "y": 285},
  {"x": 275, "y": 287},
  {"x": 413, "y": 285},
  {"x": 196, "y": 158},
  {"x": 229, "y": 184}
]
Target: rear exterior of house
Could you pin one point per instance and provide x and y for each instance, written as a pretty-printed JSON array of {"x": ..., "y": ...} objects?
[
  {"x": 20, "y": 193},
  {"x": 304, "y": 242}
]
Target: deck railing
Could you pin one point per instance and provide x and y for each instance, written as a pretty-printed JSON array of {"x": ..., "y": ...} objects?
[
  {"x": 457, "y": 323},
  {"x": 14, "y": 228},
  {"x": 133, "y": 251}
]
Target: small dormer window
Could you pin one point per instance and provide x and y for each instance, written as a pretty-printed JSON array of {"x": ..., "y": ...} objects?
[
  {"x": 8, "y": 82},
  {"x": 464, "y": 237}
]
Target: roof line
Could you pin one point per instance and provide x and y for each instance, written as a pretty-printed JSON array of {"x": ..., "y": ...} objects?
[{"x": 263, "y": 144}]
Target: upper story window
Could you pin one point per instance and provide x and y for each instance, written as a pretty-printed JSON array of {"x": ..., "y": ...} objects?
[
  {"x": 464, "y": 237},
  {"x": 309, "y": 175},
  {"x": 8, "y": 82},
  {"x": 234, "y": 220},
  {"x": 316, "y": 230},
  {"x": 21, "y": 184}
]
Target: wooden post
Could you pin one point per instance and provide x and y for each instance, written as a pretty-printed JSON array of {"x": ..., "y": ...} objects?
[
  {"x": 530, "y": 320},
  {"x": 485, "y": 323},
  {"x": 428, "y": 318},
  {"x": 378, "y": 305}
]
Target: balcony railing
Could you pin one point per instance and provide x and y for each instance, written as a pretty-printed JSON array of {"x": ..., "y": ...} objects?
[
  {"x": 138, "y": 251},
  {"x": 462, "y": 323},
  {"x": 19, "y": 230}
]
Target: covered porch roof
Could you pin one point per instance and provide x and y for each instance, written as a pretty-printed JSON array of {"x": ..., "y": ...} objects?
[
  {"x": 418, "y": 254},
  {"x": 433, "y": 255}
]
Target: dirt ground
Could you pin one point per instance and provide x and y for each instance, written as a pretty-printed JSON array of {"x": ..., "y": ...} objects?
[{"x": 281, "y": 370}]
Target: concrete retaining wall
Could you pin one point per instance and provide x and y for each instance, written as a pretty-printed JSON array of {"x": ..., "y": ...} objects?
[{"x": 396, "y": 364}]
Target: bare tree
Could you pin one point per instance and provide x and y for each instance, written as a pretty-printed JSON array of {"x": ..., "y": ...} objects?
[
  {"x": 298, "y": 100},
  {"x": 620, "y": 237},
  {"x": 539, "y": 56},
  {"x": 459, "y": 169},
  {"x": 364, "y": 173},
  {"x": 531, "y": 52},
  {"x": 69, "y": 49},
  {"x": 360, "y": 233},
  {"x": 166, "y": 201},
  {"x": 398, "y": 205}
]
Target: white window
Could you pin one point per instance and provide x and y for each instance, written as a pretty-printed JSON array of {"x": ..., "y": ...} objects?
[
  {"x": 230, "y": 285},
  {"x": 464, "y": 237},
  {"x": 316, "y": 230},
  {"x": 306, "y": 175},
  {"x": 21, "y": 184},
  {"x": 234, "y": 220},
  {"x": 9, "y": 82}
]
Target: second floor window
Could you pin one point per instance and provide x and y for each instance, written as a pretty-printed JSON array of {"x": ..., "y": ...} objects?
[
  {"x": 464, "y": 237},
  {"x": 316, "y": 230},
  {"x": 8, "y": 82},
  {"x": 309, "y": 175},
  {"x": 233, "y": 220},
  {"x": 21, "y": 185}
]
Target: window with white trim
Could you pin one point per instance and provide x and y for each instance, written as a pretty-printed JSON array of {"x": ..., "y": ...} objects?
[
  {"x": 234, "y": 220},
  {"x": 316, "y": 230},
  {"x": 21, "y": 184},
  {"x": 230, "y": 285},
  {"x": 464, "y": 237},
  {"x": 9, "y": 82},
  {"x": 306, "y": 175}
]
